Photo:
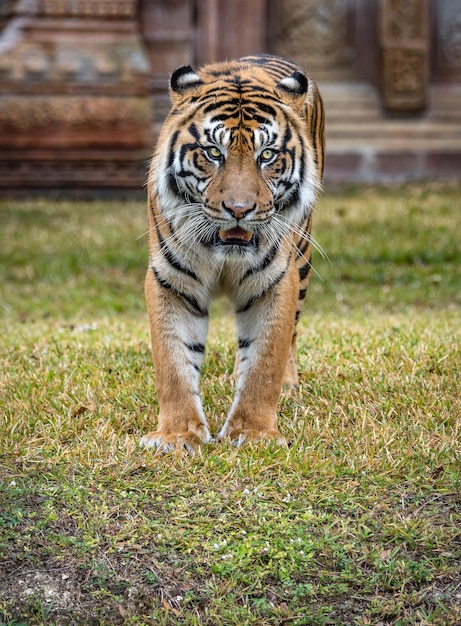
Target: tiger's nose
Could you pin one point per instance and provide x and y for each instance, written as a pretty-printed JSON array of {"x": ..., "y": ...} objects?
[{"x": 238, "y": 209}]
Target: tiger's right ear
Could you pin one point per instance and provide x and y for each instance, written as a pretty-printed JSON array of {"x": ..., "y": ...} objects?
[
  {"x": 182, "y": 81},
  {"x": 295, "y": 87}
]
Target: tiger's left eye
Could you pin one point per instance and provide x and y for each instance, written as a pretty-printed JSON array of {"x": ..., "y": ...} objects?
[
  {"x": 214, "y": 153},
  {"x": 266, "y": 155}
]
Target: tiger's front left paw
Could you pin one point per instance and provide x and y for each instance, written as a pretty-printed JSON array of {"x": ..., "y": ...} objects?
[
  {"x": 239, "y": 436},
  {"x": 169, "y": 442}
]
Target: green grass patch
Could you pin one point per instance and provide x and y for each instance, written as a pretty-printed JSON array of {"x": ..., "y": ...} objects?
[{"x": 357, "y": 522}]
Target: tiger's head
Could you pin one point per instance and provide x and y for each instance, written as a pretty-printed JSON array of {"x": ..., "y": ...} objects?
[{"x": 239, "y": 159}]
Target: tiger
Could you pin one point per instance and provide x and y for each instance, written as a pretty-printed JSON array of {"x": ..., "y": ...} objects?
[{"x": 231, "y": 188}]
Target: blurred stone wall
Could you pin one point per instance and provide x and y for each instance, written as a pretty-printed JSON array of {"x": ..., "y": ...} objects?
[
  {"x": 319, "y": 35},
  {"x": 83, "y": 83},
  {"x": 74, "y": 98}
]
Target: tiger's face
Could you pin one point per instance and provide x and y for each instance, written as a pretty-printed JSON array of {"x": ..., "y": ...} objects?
[{"x": 237, "y": 173}]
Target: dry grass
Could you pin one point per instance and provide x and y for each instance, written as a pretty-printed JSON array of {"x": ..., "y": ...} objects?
[{"x": 356, "y": 522}]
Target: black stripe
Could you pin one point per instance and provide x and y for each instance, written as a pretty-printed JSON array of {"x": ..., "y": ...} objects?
[
  {"x": 184, "y": 149},
  {"x": 267, "y": 260},
  {"x": 302, "y": 294},
  {"x": 151, "y": 208},
  {"x": 304, "y": 270},
  {"x": 313, "y": 130},
  {"x": 170, "y": 257},
  {"x": 287, "y": 134},
  {"x": 195, "y": 307},
  {"x": 245, "y": 343},
  {"x": 320, "y": 130},
  {"x": 171, "y": 155},
  {"x": 316, "y": 130},
  {"x": 277, "y": 66},
  {"x": 304, "y": 241},
  {"x": 196, "y": 347},
  {"x": 303, "y": 245},
  {"x": 208, "y": 102},
  {"x": 194, "y": 132},
  {"x": 173, "y": 183},
  {"x": 267, "y": 108},
  {"x": 155, "y": 219},
  {"x": 252, "y": 300},
  {"x": 293, "y": 196}
]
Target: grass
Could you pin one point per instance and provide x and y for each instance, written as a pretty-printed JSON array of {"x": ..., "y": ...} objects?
[{"x": 357, "y": 522}]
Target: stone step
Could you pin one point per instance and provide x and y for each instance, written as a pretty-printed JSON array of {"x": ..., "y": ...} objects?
[
  {"x": 355, "y": 123},
  {"x": 382, "y": 128},
  {"x": 364, "y": 144},
  {"x": 386, "y": 145}
]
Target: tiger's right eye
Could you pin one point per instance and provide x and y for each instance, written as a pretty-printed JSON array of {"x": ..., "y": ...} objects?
[
  {"x": 214, "y": 153},
  {"x": 267, "y": 154}
]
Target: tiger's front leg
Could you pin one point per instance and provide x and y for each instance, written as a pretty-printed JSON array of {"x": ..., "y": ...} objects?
[
  {"x": 178, "y": 334},
  {"x": 265, "y": 329}
]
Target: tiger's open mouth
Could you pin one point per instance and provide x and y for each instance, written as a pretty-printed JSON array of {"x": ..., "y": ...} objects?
[{"x": 236, "y": 236}]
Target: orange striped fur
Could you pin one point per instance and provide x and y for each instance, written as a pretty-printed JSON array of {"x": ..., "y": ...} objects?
[{"x": 235, "y": 176}]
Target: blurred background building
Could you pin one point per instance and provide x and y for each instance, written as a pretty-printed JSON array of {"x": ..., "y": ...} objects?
[{"x": 83, "y": 83}]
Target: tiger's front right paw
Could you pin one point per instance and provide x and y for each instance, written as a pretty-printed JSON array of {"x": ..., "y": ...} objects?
[{"x": 169, "y": 442}]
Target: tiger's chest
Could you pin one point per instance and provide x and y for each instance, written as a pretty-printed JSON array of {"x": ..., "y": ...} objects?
[{"x": 207, "y": 270}]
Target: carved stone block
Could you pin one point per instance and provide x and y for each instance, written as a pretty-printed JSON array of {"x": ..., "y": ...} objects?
[
  {"x": 74, "y": 90},
  {"x": 405, "y": 53},
  {"x": 405, "y": 78},
  {"x": 318, "y": 34}
]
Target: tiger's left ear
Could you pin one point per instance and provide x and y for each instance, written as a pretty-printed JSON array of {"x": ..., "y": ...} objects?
[
  {"x": 182, "y": 82},
  {"x": 295, "y": 86}
]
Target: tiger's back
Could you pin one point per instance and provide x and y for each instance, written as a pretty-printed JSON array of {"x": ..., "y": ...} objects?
[{"x": 236, "y": 173}]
